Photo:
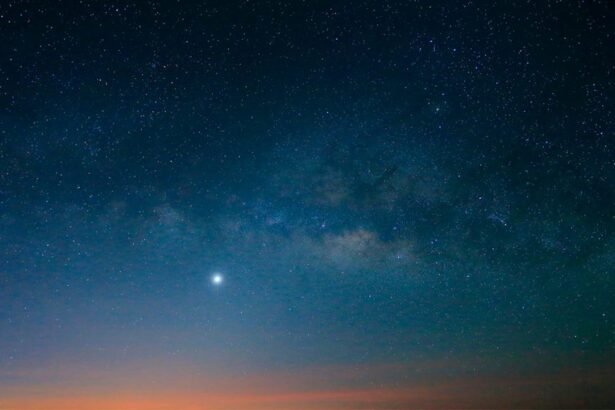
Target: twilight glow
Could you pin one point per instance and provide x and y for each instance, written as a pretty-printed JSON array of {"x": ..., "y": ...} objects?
[{"x": 293, "y": 205}]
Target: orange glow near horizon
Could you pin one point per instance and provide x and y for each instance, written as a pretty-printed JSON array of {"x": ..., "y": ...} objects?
[
  {"x": 459, "y": 396},
  {"x": 317, "y": 388},
  {"x": 322, "y": 400}
]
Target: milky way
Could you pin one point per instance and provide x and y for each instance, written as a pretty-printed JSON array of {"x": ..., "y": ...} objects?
[{"x": 306, "y": 205}]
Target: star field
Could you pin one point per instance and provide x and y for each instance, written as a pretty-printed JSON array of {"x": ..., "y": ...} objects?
[{"x": 306, "y": 205}]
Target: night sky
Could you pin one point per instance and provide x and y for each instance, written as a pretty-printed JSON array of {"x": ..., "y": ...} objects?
[{"x": 291, "y": 205}]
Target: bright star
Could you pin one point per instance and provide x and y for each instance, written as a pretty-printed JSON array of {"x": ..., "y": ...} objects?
[{"x": 217, "y": 279}]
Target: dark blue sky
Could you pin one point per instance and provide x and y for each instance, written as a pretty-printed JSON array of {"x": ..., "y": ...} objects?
[{"x": 410, "y": 205}]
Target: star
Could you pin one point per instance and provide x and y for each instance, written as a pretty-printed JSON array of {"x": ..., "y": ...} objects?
[{"x": 217, "y": 279}]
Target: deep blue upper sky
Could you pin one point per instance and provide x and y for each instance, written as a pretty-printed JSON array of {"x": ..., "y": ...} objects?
[{"x": 420, "y": 190}]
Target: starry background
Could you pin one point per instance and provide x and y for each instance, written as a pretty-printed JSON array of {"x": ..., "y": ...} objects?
[{"x": 411, "y": 204}]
